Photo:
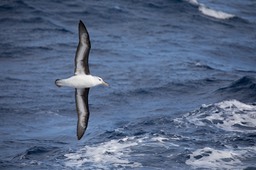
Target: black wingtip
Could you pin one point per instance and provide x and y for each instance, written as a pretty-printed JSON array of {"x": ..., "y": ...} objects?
[
  {"x": 82, "y": 29},
  {"x": 81, "y": 22},
  {"x": 79, "y": 137},
  {"x": 80, "y": 132},
  {"x": 81, "y": 25}
]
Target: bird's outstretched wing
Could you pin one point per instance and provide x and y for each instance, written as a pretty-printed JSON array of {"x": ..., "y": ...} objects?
[
  {"x": 82, "y": 111},
  {"x": 83, "y": 50}
]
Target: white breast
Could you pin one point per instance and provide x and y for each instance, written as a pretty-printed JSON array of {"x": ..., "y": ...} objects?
[{"x": 79, "y": 81}]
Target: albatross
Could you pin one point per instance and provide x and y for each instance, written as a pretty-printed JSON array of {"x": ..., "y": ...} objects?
[{"x": 82, "y": 80}]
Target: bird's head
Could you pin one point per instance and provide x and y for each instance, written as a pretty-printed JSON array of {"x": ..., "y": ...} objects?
[{"x": 101, "y": 81}]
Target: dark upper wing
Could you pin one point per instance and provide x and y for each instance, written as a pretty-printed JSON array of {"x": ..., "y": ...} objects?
[
  {"x": 83, "y": 50},
  {"x": 83, "y": 113}
]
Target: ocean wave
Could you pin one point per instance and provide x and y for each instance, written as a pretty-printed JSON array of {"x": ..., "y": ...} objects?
[
  {"x": 246, "y": 82},
  {"x": 170, "y": 88},
  {"x": 48, "y": 30},
  {"x": 122, "y": 153},
  {"x": 171, "y": 140},
  {"x": 35, "y": 151},
  {"x": 106, "y": 155},
  {"x": 210, "y": 158},
  {"x": 230, "y": 115},
  {"x": 242, "y": 89},
  {"x": 7, "y": 5},
  {"x": 211, "y": 12}
]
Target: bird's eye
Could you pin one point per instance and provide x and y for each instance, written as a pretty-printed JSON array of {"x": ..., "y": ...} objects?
[{"x": 100, "y": 79}]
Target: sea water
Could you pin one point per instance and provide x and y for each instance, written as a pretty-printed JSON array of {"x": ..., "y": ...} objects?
[{"x": 182, "y": 84}]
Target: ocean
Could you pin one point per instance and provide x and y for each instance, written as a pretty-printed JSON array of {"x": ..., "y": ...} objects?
[{"x": 182, "y": 77}]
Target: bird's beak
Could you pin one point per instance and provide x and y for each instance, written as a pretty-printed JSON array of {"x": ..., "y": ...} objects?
[{"x": 105, "y": 84}]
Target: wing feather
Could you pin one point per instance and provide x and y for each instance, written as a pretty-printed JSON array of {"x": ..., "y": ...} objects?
[
  {"x": 83, "y": 50},
  {"x": 83, "y": 113}
]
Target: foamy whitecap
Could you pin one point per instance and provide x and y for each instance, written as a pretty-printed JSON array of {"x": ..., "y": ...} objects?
[
  {"x": 209, "y": 158},
  {"x": 114, "y": 153},
  {"x": 213, "y": 13},
  {"x": 210, "y": 12},
  {"x": 230, "y": 115},
  {"x": 229, "y": 104},
  {"x": 193, "y": 2}
]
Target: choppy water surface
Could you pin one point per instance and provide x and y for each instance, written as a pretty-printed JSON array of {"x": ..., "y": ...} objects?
[{"x": 182, "y": 85}]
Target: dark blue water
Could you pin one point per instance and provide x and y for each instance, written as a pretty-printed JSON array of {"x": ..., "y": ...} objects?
[{"x": 182, "y": 81}]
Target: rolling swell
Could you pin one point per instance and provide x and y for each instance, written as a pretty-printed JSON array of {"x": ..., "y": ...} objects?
[
  {"x": 36, "y": 156},
  {"x": 187, "y": 87},
  {"x": 243, "y": 89},
  {"x": 37, "y": 151}
]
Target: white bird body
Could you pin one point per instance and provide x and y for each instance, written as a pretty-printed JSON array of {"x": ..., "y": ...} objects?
[{"x": 80, "y": 81}]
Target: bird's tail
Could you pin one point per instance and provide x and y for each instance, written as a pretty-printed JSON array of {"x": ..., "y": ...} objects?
[{"x": 58, "y": 82}]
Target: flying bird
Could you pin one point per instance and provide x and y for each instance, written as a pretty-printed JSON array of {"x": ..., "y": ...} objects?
[{"x": 82, "y": 80}]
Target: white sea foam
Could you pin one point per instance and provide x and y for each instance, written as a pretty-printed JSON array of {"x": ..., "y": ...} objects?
[
  {"x": 210, "y": 12},
  {"x": 230, "y": 104},
  {"x": 209, "y": 158},
  {"x": 193, "y": 2},
  {"x": 230, "y": 115},
  {"x": 237, "y": 113},
  {"x": 115, "y": 153},
  {"x": 213, "y": 13}
]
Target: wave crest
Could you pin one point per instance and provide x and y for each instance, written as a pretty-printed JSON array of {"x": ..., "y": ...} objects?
[
  {"x": 211, "y": 12},
  {"x": 231, "y": 115}
]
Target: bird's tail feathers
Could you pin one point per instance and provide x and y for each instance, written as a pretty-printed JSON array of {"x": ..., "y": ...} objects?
[{"x": 58, "y": 82}]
